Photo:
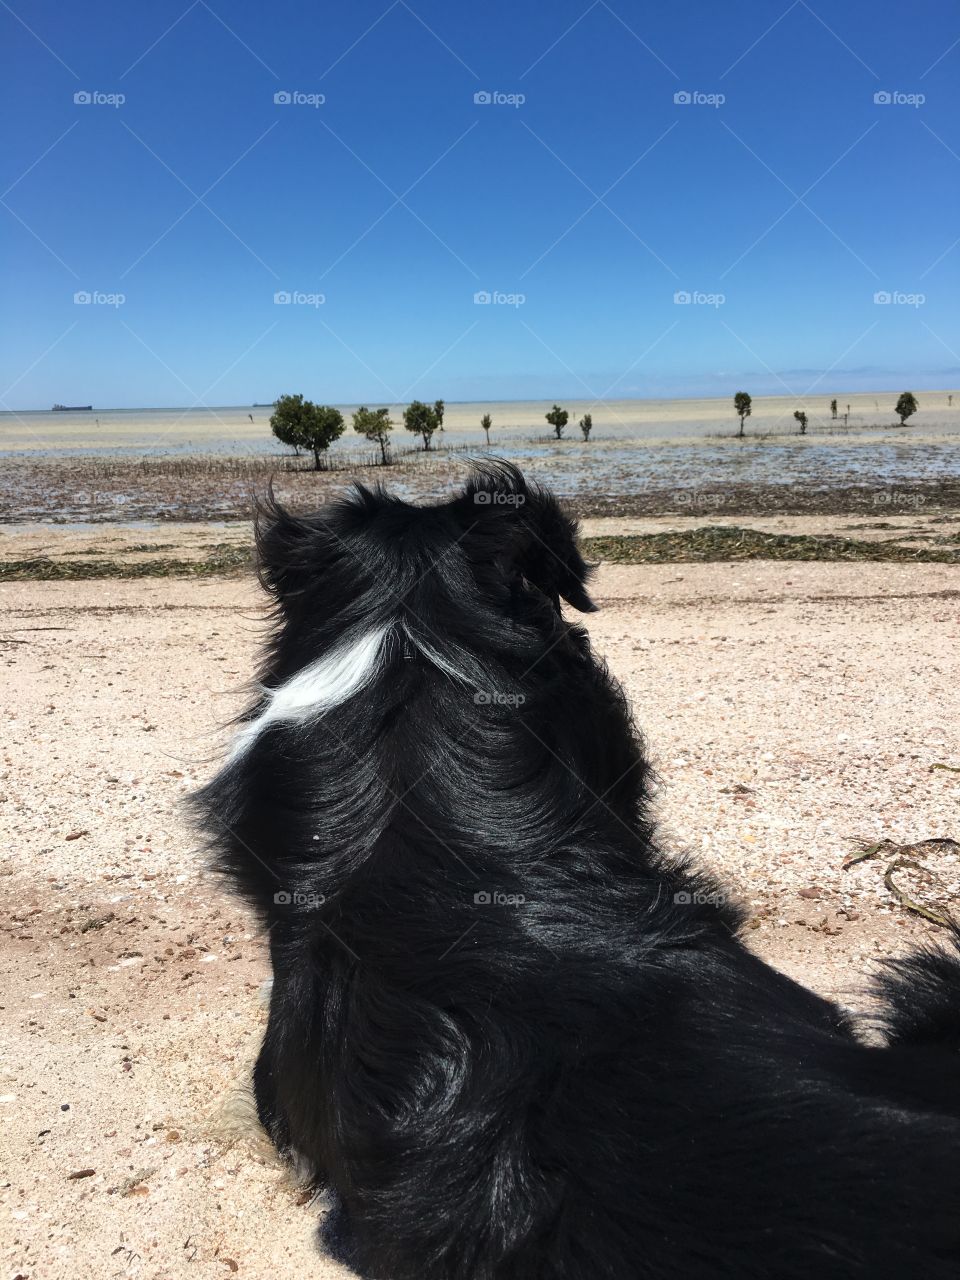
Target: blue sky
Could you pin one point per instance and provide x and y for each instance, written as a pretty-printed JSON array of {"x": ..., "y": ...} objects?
[{"x": 781, "y": 210}]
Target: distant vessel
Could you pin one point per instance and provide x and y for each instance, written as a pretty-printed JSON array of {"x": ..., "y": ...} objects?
[{"x": 72, "y": 408}]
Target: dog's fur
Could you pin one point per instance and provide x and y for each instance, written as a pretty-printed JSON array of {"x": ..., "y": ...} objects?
[{"x": 512, "y": 1039}]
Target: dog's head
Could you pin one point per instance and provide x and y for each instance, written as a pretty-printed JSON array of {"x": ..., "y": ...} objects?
[
  {"x": 502, "y": 549},
  {"x": 520, "y": 532},
  {"x": 420, "y": 652}
]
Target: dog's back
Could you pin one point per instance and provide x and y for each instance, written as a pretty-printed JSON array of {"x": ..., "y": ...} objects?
[{"x": 514, "y": 1041}]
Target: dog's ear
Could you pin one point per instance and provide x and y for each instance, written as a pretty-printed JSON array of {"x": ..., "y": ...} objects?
[
  {"x": 295, "y": 553},
  {"x": 286, "y": 549},
  {"x": 524, "y": 531}
]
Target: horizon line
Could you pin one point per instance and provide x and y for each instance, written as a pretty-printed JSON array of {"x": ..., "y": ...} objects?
[{"x": 643, "y": 399}]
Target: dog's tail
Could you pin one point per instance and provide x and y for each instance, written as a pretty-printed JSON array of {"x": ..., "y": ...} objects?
[{"x": 920, "y": 996}]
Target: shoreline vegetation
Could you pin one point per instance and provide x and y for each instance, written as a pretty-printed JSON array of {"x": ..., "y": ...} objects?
[{"x": 707, "y": 544}]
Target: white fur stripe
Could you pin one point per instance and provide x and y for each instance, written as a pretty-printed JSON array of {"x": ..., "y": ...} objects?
[
  {"x": 318, "y": 688},
  {"x": 433, "y": 655}
]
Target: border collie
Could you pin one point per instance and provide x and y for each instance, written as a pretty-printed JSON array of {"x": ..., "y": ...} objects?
[{"x": 511, "y": 1037}]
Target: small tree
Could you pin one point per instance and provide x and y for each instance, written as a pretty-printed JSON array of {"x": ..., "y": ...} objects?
[
  {"x": 486, "y": 422},
  {"x": 801, "y": 417},
  {"x": 287, "y": 419},
  {"x": 743, "y": 405},
  {"x": 558, "y": 419},
  {"x": 439, "y": 408},
  {"x": 320, "y": 429},
  {"x": 422, "y": 420},
  {"x": 833, "y": 410},
  {"x": 586, "y": 425},
  {"x": 906, "y": 406},
  {"x": 375, "y": 424}
]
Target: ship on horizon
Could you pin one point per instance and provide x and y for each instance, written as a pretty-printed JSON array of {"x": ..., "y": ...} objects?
[{"x": 72, "y": 408}]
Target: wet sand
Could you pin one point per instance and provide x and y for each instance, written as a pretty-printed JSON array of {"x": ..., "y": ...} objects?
[{"x": 799, "y": 477}]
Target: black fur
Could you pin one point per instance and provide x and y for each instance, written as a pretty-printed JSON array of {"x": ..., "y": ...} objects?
[{"x": 593, "y": 1079}]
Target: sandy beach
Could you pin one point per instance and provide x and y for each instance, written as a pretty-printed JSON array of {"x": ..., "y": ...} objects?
[
  {"x": 799, "y": 695},
  {"x": 791, "y": 709}
]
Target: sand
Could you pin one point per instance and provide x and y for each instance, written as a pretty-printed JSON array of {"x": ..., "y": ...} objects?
[
  {"x": 790, "y": 709},
  {"x": 239, "y": 429}
]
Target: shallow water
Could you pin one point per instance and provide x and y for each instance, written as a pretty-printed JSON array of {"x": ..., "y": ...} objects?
[{"x": 687, "y": 447}]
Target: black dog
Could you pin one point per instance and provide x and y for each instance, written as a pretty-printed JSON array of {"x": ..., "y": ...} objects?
[{"x": 513, "y": 1040}]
